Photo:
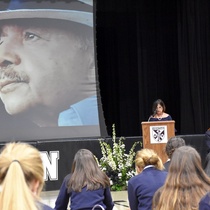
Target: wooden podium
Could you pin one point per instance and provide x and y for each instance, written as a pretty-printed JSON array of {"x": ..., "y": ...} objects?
[{"x": 156, "y": 134}]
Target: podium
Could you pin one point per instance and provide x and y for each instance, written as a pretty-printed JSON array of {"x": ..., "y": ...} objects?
[{"x": 156, "y": 134}]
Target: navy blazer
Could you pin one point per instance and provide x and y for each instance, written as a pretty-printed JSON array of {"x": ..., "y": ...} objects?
[
  {"x": 204, "y": 203},
  {"x": 207, "y": 134},
  {"x": 43, "y": 206},
  {"x": 142, "y": 187},
  {"x": 85, "y": 199}
]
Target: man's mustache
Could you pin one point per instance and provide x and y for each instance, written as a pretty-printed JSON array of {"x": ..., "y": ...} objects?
[{"x": 8, "y": 73}]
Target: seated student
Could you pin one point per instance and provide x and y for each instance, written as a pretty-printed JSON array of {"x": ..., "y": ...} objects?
[
  {"x": 151, "y": 176},
  {"x": 185, "y": 184},
  {"x": 86, "y": 186},
  {"x": 172, "y": 144},
  {"x": 21, "y": 178}
]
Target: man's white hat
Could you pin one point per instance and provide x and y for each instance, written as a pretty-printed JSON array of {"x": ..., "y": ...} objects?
[{"x": 79, "y": 11}]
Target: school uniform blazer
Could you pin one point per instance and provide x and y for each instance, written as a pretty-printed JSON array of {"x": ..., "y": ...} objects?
[
  {"x": 142, "y": 187},
  {"x": 43, "y": 206},
  {"x": 84, "y": 200},
  {"x": 207, "y": 134},
  {"x": 204, "y": 203}
]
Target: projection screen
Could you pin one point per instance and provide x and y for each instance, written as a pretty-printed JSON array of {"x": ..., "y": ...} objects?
[{"x": 49, "y": 86}]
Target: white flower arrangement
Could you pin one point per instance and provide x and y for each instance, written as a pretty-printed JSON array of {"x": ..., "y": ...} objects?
[{"x": 116, "y": 163}]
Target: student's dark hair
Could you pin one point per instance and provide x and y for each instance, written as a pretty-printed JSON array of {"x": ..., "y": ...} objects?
[
  {"x": 172, "y": 144},
  {"x": 86, "y": 173}
]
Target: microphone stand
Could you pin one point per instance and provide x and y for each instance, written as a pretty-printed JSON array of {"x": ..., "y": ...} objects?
[{"x": 152, "y": 115}]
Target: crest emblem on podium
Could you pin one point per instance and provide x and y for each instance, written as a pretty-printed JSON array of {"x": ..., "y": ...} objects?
[{"x": 158, "y": 134}]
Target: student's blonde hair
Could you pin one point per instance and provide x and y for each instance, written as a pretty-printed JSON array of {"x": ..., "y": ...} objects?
[
  {"x": 145, "y": 157},
  {"x": 20, "y": 165}
]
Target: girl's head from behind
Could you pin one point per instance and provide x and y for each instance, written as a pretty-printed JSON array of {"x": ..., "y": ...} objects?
[
  {"x": 86, "y": 172},
  {"x": 145, "y": 157},
  {"x": 186, "y": 182},
  {"x": 185, "y": 161},
  {"x": 85, "y": 161},
  {"x": 172, "y": 144},
  {"x": 21, "y": 176}
]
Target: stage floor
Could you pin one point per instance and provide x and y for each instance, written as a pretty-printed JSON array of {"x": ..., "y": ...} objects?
[{"x": 120, "y": 199}]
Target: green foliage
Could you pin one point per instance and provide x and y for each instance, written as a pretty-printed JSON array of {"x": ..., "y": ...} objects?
[{"x": 116, "y": 163}]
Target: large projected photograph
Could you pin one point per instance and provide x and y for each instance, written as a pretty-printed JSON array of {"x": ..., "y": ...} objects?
[{"x": 48, "y": 74}]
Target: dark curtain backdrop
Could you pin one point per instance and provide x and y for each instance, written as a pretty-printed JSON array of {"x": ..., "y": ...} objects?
[{"x": 154, "y": 49}]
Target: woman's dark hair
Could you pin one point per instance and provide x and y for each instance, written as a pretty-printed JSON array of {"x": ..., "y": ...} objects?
[{"x": 155, "y": 104}]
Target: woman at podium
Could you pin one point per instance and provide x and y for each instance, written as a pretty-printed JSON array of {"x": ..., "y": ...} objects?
[{"x": 159, "y": 112}]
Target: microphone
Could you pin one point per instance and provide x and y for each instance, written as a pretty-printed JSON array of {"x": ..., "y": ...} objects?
[{"x": 154, "y": 113}]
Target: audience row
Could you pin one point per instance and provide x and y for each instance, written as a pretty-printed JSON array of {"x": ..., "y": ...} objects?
[{"x": 179, "y": 184}]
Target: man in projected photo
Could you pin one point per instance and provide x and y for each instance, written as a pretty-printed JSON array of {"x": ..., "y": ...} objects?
[{"x": 47, "y": 69}]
